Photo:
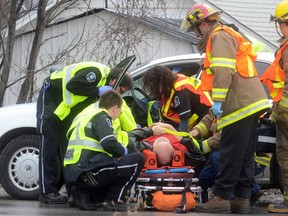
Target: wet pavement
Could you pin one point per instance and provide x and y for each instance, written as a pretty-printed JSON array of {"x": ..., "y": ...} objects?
[
  {"x": 16, "y": 207},
  {"x": 9, "y": 206}
]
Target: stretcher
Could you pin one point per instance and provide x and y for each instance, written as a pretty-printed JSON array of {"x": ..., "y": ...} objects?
[{"x": 170, "y": 180}]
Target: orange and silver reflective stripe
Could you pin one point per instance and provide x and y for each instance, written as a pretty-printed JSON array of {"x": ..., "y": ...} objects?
[
  {"x": 284, "y": 102},
  {"x": 223, "y": 62},
  {"x": 219, "y": 93}
]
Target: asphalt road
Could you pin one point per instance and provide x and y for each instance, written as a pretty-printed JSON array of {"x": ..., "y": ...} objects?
[{"x": 9, "y": 206}]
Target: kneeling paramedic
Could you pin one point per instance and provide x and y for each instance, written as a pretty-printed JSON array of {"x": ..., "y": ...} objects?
[
  {"x": 97, "y": 167},
  {"x": 64, "y": 94}
]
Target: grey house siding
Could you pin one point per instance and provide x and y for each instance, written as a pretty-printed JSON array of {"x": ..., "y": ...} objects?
[{"x": 155, "y": 44}]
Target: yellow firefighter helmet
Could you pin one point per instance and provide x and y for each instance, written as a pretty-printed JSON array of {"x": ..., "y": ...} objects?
[{"x": 281, "y": 12}]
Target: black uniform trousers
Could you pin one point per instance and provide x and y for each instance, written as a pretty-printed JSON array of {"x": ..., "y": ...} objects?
[
  {"x": 115, "y": 182},
  {"x": 236, "y": 162},
  {"x": 53, "y": 145}
]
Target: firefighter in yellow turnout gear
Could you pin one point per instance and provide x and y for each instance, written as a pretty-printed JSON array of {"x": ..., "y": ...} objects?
[
  {"x": 276, "y": 78},
  {"x": 230, "y": 77}
]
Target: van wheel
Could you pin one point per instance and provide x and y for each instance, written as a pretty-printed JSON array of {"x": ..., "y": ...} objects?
[{"x": 19, "y": 167}]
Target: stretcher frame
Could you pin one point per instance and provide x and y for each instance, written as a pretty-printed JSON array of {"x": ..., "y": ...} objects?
[{"x": 145, "y": 186}]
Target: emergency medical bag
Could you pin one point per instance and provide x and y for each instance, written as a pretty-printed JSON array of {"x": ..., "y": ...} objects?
[{"x": 170, "y": 202}]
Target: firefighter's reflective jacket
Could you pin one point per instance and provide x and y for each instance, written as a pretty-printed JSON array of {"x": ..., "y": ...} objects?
[
  {"x": 70, "y": 99},
  {"x": 237, "y": 85},
  {"x": 243, "y": 62},
  {"x": 273, "y": 77},
  {"x": 193, "y": 86}
]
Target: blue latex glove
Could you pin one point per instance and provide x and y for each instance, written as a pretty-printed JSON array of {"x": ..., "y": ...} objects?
[
  {"x": 125, "y": 149},
  {"x": 216, "y": 108},
  {"x": 103, "y": 89},
  {"x": 46, "y": 85}
]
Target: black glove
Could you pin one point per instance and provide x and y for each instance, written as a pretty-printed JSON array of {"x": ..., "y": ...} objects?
[
  {"x": 141, "y": 133},
  {"x": 142, "y": 145},
  {"x": 131, "y": 147},
  {"x": 192, "y": 147}
]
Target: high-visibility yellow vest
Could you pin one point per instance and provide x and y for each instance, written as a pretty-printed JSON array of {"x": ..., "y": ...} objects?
[
  {"x": 192, "y": 85},
  {"x": 70, "y": 99},
  {"x": 123, "y": 124},
  {"x": 78, "y": 139}
]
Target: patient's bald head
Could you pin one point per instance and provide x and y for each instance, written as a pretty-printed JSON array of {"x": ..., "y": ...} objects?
[{"x": 164, "y": 151}]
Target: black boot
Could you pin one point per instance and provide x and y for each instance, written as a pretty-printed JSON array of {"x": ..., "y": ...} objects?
[
  {"x": 53, "y": 198},
  {"x": 82, "y": 199}
]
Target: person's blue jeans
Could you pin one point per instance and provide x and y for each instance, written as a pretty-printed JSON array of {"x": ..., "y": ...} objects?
[
  {"x": 259, "y": 168},
  {"x": 209, "y": 172}
]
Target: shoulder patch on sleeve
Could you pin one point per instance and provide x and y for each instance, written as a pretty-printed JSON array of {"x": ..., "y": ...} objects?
[
  {"x": 176, "y": 101},
  {"x": 109, "y": 122},
  {"x": 91, "y": 77}
]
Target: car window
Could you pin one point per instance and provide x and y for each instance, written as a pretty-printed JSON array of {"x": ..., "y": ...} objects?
[
  {"x": 186, "y": 69},
  {"x": 261, "y": 67},
  {"x": 189, "y": 68}
]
